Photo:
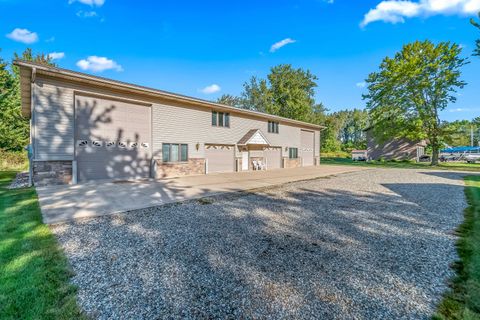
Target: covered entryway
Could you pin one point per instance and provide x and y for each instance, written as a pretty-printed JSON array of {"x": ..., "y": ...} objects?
[
  {"x": 220, "y": 158},
  {"x": 273, "y": 158},
  {"x": 112, "y": 139},
  {"x": 307, "y": 143}
]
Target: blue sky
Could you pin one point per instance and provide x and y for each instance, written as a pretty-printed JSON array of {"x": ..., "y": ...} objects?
[{"x": 207, "y": 48}]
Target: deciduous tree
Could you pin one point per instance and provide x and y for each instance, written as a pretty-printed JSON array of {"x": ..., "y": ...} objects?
[{"x": 406, "y": 95}]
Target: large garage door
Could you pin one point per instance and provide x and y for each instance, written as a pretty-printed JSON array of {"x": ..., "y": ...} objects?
[
  {"x": 219, "y": 158},
  {"x": 273, "y": 157},
  {"x": 113, "y": 139},
  {"x": 307, "y": 139}
]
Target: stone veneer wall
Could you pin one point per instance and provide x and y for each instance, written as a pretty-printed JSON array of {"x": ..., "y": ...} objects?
[
  {"x": 52, "y": 172},
  {"x": 193, "y": 166},
  {"x": 292, "y": 163}
]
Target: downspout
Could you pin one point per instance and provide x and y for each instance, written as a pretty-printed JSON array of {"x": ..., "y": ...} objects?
[{"x": 30, "y": 148}]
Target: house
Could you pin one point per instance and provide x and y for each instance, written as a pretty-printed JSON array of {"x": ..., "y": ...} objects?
[
  {"x": 85, "y": 127},
  {"x": 394, "y": 149}
]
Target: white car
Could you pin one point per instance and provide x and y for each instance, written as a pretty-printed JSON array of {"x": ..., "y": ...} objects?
[{"x": 472, "y": 157}]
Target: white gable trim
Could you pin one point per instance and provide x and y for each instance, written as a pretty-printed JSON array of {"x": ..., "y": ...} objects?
[{"x": 258, "y": 138}]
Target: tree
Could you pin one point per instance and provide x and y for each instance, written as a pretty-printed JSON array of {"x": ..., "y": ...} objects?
[
  {"x": 476, "y": 24},
  {"x": 405, "y": 97},
  {"x": 14, "y": 128},
  {"x": 287, "y": 92},
  {"x": 230, "y": 100}
]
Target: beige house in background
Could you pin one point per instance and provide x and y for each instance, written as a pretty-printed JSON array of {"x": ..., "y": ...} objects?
[{"x": 85, "y": 128}]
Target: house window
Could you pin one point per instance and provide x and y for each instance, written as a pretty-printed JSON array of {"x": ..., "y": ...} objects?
[
  {"x": 293, "y": 153},
  {"x": 272, "y": 127},
  {"x": 220, "y": 119},
  {"x": 214, "y": 118},
  {"x": 174, "y": 152}
]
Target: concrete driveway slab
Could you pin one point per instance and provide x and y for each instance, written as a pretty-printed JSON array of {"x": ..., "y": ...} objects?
[{"x": 64, "y": 203}]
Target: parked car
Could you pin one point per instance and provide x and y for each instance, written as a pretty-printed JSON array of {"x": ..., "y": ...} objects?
[
  {"x": 472, "y": 157},
  {"x": 448, "y": 157},
  {"x": 424, "y": 158}
]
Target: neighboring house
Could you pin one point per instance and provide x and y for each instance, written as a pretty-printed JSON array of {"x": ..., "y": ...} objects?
[
  {"x": 85, "y": 127},
  {"x": 393, "y": 149}
]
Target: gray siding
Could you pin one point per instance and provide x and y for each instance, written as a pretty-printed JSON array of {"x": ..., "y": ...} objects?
[
  {"x": 53, "y": 121},
  {"x": 393, "y": 149}
]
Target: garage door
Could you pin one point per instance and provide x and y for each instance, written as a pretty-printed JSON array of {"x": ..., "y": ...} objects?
[
  {"x": 273, "y": 158},
  {"x": 113, "y": 139},
  {"x": 307, "y": 140},
  {"x": 219, "y": 158}
]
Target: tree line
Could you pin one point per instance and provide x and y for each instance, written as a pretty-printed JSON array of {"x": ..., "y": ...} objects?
[{"x": 14, "y": 128}]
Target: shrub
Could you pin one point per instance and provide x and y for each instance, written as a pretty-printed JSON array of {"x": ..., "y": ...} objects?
[{"x": 13, "y": 160}]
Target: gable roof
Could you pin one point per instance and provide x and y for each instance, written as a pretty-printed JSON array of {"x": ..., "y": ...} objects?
[
  {"x": 251, "y": 135},
  {"x": 28, "y": 71}
]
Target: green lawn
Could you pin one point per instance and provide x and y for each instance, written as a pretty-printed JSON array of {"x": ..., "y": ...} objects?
[
  {"x": 463, "y": 300},
  {"x": 34, "y": 275},
  {"x": 462, "y": 166}
]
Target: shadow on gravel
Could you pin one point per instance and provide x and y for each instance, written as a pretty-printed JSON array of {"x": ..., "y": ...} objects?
[{"x": 295, "y": 252}]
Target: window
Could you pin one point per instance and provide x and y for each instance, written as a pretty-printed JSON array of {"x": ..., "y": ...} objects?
[
  {"x": 214, "y": 118},
  {"x": 220, "y": 119},
  {"x": 272, "y": 127},
  {"x": 174, "y": 152},
  {"x": 293, "y": 153}
]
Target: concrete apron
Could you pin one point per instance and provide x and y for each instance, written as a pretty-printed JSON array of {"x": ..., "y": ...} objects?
[{"x": 97, "y": 198}]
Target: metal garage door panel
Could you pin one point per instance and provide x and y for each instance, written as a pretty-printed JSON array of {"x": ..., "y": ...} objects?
[
  {"x": 307, "y": 143},
  {"x": 273, "y": 158},
  {"x": 113, "y": 139},
  {"x": 220, "y": 158}
]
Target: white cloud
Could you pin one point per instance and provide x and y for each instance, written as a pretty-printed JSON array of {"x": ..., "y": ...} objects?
[
  {"x": 395, "y": 11},
  {"x": 51, "y": 39},
  {"x": 23, "y": 35},
  {"x": 361, "y": 84},
  {"x": 86, "y": 14},
  {"x": 56, "y": 55},
  {"x": 98, "y": 64},
  {"x": 211, "y": 89},
  {"x": 280, "y": 44},
  {"x": 92, "y": 3},
  {"x": 461, "y": 110}
]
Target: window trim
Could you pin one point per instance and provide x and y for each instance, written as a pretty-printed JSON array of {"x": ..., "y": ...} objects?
[
  {"x": 273, "y": 127},
  {"x": 220, "y": 116},
  {"x": 179, "y": 153}
]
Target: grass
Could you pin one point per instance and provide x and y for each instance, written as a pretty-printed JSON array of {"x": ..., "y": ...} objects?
[
  {"x": 463, "y": 300},
  {"x": 34, "y": 274},
  {"x": 461, "y": 166}
]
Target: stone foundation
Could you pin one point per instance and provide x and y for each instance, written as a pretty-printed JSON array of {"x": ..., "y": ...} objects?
[
  {"x": 292, "y": 163},
  {"x": 178, "y": 169},
  {"x": 52, "y": 172}
]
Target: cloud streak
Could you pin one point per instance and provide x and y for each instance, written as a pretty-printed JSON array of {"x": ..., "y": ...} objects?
[
  {"x": 92, "y": 3},
  {"x": 213, "y": 88},
  {"x": 23, "y": 35},
  {"x": 282, "y": 43},
  {"x": 56, "y": 55},
  {"x": 396, "y": 11},
  {"x": 98, "y": 64}
]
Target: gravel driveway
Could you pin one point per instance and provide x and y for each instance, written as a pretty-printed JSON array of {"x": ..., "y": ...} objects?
[{"x": 374, "y": 244}]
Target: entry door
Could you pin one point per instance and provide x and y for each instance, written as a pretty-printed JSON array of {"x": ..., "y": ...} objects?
[
  {"x": 307, "y": 139},
  {"x": 113, "y": 139},
  {"x": 245, "y": 161}
]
